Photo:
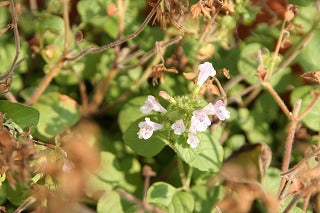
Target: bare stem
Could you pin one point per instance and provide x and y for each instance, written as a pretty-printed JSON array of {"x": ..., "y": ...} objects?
[
  {"x": 101, "y": 91},
  {"x": 138, "y": 83},
  {"x": 309, "y": 107},
  {"x": 11, "y": 97},
  {"x": 119, "y": 41},
  {"x": 133, "y": 199},
  {"x": 14, "y": 18},
  {"x": 66, "y": 25},
  {"x": 276, "y": 51},
  {"x": 289, "y": 141},
  {"x": 151, "y": 53},
  {"x": 295, "y": 51},
  {"x": 277, "y": 98},
  {"x": 45, "y": 82}
]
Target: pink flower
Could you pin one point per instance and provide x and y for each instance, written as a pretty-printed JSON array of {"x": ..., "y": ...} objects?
[
  {"x": 193, "y": 140},
  {"x": 178, "y": 127},
  {"x": 151, "y": 104},
  {"x": 147, "y": 127},
  {"x": 221, "y": 111},
  {"x": 199, "y": 122},
  {"x": 206, "y": 69}
]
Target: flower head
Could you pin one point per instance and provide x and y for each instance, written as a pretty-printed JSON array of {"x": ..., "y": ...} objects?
[
  {"x": 206, "y": 69},
  {"x": 178, "y": 127},
  {"x": 193, "y": 140},
  {"x": 151, "y": 104},
  {"x": 221, "y": 111},
  {"x": 147, "y": 127},
  {"x": 199, "y": 121}
]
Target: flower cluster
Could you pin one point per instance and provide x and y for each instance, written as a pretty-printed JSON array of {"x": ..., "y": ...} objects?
[{"x": 199, "y": 121}]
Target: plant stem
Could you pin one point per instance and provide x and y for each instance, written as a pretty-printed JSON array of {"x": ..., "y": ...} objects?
[
  {"x": 119, "y": 41},
  {"x": 276, "y": 52},
  {"x": 309, "y": 107},
  {"x": 277, "y": 98},
  {"x": 189, "y": 176},
  {"x": 66, "y": 25},
  {"x": 181, "y": 172},
  {"x": 14, "y": 24},
  {"x": 289, "y": 141}
]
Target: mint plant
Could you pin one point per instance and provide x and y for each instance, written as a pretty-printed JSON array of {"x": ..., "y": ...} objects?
[{"x": 159, "y": 106}]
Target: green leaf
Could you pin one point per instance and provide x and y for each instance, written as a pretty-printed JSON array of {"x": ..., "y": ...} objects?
[
  {"x": 272, "y": 180},
  {"x": 146, "y": 148},
  {"x": 110, "y": 202},
  {"x": 248, "y": 62},
  {"x": 308, "y": 57},
  {"x": 115, "y": 173},
  {"x": 57, "y": 113},
  {"x": 23, "y": 116},
  {"x": 312, "y": 119},
  {"x": 182, "y": 202},
  {"x": 130, "y": 112},
  {"x": 16, "y": 196},
  {"x": 208, "y": 155},
  {"x": 205, "y": 198},
  {"x": 161, "y": 193}
]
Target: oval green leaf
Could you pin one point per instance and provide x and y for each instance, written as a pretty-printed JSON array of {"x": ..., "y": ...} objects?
[
  {"x": 23, "y": 116},
  {"x": 208, "y": 155},
  {"x": 146, "y": 148}
]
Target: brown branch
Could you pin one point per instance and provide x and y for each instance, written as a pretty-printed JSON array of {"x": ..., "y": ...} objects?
[
  {"x": 101, "y": 91},
  {"x": 119, "y": 41},
  {"x": 309, "y": 107},
  {"x": 138, "y": 83},
  {"x": 252, "y": 96},
  {"x": 133, "y": 199},
  {"x": 45, "y": 82},
  {"x": 277, "y": 98},
  {"x": 222, "y": 92},
  {"x": 14, "y": 25},
  {"x": 289, "y": 141},
  {"x": 151, "y": 53},
  {"x": 293, "y": 54},
  {"x": 10, "y": 97}
]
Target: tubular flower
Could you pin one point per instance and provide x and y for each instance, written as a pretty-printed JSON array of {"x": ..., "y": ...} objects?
[
  {"x": 221, "y": 111},
  {"x": 178, "y": 127},
  {"x": 206, "y": 69},
  {"x": 147, "y": 127},
  {"x": 193, "y": 140},
  {"x": 199, "y": 121},
  {"x": 151, "y": 104}
]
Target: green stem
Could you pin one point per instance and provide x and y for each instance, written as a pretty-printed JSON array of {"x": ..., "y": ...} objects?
[
  {"x": 181, "y": 172},
  {"x": 189, "y": 175}
]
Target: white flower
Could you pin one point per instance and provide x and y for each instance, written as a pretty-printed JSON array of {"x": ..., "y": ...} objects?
[
  {"x": 199, "y": 121},
  {"x": 221, "y": 111},
  {"x": 209, "y": 109},
  {"x": 147, "y": 127},
  {"x": 193, "y": 140},
  {"x": 206, "y": 69},
  {"x": 151, "y": 104},
  {"x": 178, "y": 127}
]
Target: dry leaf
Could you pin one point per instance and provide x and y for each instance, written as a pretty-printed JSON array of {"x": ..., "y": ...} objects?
[
  {"x": 262, "y": 72},
  {"x": 312, "y": 76},
  {"x": 4, "y": 3}
]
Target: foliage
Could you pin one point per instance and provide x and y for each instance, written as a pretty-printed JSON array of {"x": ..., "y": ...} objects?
[{"x": 159, "y": 106}]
